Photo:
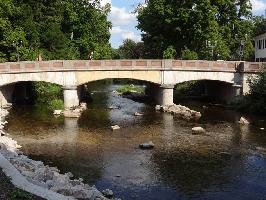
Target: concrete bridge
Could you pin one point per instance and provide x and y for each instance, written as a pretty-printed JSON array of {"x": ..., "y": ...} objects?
[{"x": 161, "y": 74}]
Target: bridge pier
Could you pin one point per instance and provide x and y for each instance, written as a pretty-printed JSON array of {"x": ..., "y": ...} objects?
[
  {"x": 71, "y": 97},
  {"x": 166, "y": 95}
]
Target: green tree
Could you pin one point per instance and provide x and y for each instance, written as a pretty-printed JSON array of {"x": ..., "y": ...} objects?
[
  {"x": 57, "y": 29},
  {"x": 131, "y": 50},
  {"x": 194, "y": 24}
]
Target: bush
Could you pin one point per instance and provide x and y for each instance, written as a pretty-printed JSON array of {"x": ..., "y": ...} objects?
[
  {"x": 169, "y": 53},
  {"x": 131, "y": 89},
  {"x": 255, "y": 102},
  {"x": 47, "y": 92},
  {"x": 194, "y": 88},
  {"x": 189, "y": 55},
  {"x": 56, "y": 104}
]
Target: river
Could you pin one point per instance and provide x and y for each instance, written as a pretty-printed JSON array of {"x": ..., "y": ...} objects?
[{"x": 229, "y": 162}]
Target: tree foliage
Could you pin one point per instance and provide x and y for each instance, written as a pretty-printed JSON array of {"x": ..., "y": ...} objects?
[
  {"x": 57, "y": 29},
  {"x": 198, "y": 25},
  {"x": 129, "y": 50}
]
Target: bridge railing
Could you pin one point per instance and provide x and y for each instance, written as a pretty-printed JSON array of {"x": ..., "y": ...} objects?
[{"x": 107, "y": 65}]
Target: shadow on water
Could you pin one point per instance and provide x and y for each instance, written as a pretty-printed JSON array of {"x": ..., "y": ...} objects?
[{"x": 228, "y": 162}]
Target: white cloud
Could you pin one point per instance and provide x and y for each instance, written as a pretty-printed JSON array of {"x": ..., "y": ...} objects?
[
  {"x": 258, "y": 5},
  {"x": 130, "y": 35},
  {"x": 125, "y": 34},
  {"x": 121, "y": 16},
  {"x": 116, "y": 30}
]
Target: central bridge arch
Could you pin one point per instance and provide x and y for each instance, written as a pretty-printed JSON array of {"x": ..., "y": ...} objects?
[{"x": 148, "y": 76}]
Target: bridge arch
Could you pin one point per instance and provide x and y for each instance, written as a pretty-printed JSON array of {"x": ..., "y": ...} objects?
[
  {"x": 218, "y": 90},
  {"x": 153, "y": 77},
  {"x": 59, "y": 78},
  {"x": 176, "y": 77}
]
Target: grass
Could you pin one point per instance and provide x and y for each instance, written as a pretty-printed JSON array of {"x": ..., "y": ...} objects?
[
  {"x": 9, "y": 192},
  {"x": 125, "y": 89}
]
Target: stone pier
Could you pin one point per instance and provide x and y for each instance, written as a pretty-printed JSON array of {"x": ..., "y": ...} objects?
[
  {"x": 71, "y": 97},
  {"x": 166, "y": 95}
]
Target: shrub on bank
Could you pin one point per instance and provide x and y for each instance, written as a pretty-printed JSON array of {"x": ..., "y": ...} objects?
[
  {"x": 49, "y": 94},
  {"x": 131, "y": 89},
  {"x": 56, "y": 104},
  {"x": 255, "y": 101}
]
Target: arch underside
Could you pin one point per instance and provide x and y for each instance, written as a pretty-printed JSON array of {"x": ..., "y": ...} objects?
[
  {"x": 148, "y": 76},
  {"x": 60, "y": 78},
  {"x": 177, "y": 77}
]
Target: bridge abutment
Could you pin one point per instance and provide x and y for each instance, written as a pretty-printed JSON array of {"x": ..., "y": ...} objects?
[
  {"x": 6, "y": 94},
  {"x": 71, "y": 97}
]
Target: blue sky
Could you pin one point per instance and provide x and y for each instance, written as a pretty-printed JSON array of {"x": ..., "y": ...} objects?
[{"x": 125, "y": 22}]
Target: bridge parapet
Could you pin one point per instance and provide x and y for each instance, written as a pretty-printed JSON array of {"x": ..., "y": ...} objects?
[{"x": 128, "y": 65}]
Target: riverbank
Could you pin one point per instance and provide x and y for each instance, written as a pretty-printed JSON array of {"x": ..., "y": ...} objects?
[
  {"x": 10, "y": 192},
  {"x": 37, "y": 178}
]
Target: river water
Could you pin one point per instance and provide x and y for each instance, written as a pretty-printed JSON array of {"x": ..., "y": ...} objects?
[{"x": 229, "y": 162}]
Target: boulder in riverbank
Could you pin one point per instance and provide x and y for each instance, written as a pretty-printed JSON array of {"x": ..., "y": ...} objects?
[
  {"x": 180, "y": 111},
  {"x": 108, "y": 193},
  {"x": 71, "y": 114},
  {"x": 75, "y": 112}
]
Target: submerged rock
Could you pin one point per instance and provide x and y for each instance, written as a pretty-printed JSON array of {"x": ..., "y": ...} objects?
[
  {"x": 243, "y": 121},
  {"x": 147, "y": 145},
  {"x": 198, "y": 130},
  {"x": 115, "y": 127}
]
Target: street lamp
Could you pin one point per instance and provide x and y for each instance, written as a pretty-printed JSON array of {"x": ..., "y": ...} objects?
[
  {"x": 242, "y": 47},
  {"x": 17, "y": 46}
]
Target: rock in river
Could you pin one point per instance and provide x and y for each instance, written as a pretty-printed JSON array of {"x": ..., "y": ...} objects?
[
  {"x": 57, "y": 112},
  {"x": 137, "y": 114},
  {"x": 180, "y": 111},
  {"x": 243, "y": 121},
  {"x": 198, "y": 130},
  {"x": 71, "y": 114},
  {"x": 147, "y": 145},
  {"x": 115, "y": 127}
]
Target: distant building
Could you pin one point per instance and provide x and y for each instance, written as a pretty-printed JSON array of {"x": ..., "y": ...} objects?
[{"x": 260, "y": 48}]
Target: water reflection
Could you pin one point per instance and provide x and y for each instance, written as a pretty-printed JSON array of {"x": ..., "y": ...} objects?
[{"x": 223, "y": 164}]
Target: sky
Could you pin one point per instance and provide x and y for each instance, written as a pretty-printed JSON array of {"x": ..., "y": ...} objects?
[{"x": 125, "y": 22}]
